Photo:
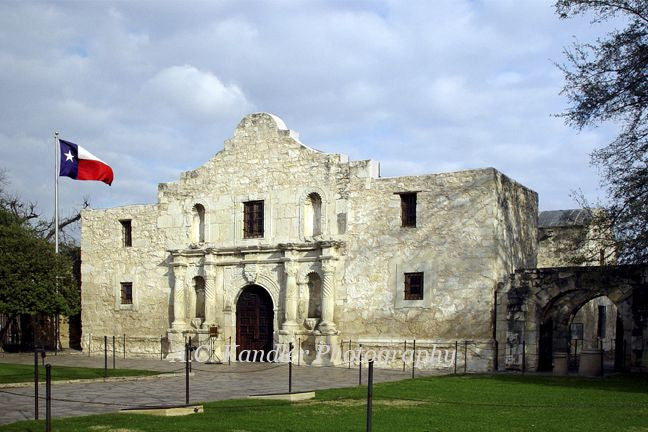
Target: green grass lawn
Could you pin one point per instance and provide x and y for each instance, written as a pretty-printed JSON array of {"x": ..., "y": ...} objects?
[
  {"x": 15, "y": 373},
  {"x": 455, "y": 403}
]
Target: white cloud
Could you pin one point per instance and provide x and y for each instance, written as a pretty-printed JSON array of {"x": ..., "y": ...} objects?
[{"x": 194, "y": 94}]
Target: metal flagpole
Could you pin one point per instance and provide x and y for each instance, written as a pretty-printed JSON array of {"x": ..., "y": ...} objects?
[
  {"x": 56, "y": 227},
  {"x": 56, "y": 193}
]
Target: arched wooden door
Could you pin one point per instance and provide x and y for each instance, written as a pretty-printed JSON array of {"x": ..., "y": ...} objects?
[{"x": 254, "y": 317}]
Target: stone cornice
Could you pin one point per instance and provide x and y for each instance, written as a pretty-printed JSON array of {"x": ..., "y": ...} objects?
[{"x": 243, "y": 250}]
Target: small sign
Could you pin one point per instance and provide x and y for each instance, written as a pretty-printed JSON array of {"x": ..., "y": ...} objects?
[{"x": 213, "y": 331}]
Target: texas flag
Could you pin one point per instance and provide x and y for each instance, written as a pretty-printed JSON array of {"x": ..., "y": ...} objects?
[{"x": 79, "y": 164}]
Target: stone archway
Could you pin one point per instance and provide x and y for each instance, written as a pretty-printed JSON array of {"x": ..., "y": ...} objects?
[
  {"x": 541, "y": 303},
  {"x": 254, "y": 323}
]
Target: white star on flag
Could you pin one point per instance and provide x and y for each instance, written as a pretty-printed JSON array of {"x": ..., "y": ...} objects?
[{"x": 69, "y": 156}]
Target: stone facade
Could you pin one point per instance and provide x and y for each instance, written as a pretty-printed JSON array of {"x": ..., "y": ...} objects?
[
  {"x": 536, "y": 308},
  {"x": 574, "y": 237},
  {"x": 333, "y": 254}
]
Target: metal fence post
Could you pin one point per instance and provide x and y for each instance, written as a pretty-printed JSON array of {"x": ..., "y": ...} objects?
[
  {"x": 290, "y": 348},
  {"x": 413, "y": 357},
  {"x": 229, "y": 357},
  {"x": 496, "y": 359},
  {"x": 360, "y": 367},
  {"x": 186, "y": 374},
  {"x": 105, "y": 356},
  {"x": 455, "y": 356},
  {"x": 48, "y": 397},
  {"x": 35, "y": 384},
  {"x": 161, "y": 346},
  {"x": 124, "y": 345},
  {"x": 369, "y": 395},
  {"x": 349, "y": 353},
  {"x": 465, "y": 356},
  {"x": 113, "y": 347},
  {"x": 89, "y": 344},
  {"x": 57, "y": 333},
  {"x": 404, "y": 350},
  {"x": 190, "y": 355}
]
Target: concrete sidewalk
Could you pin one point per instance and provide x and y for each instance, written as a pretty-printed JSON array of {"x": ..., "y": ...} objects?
[{"x": 210, "y": 382}]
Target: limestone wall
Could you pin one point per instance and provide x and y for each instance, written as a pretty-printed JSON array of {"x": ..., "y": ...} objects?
[
  {"x": 472, "y": 228},
  {"x": 454, "y": 244},
  {"x": 260, "y": 162},
  {"x": 517, "y": 226},
  {"x": 584, "y": 243},
  {"x": 105, "y": 263}
]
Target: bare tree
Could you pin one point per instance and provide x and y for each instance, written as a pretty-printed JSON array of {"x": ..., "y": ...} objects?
[{"x": 607, "y": 81}]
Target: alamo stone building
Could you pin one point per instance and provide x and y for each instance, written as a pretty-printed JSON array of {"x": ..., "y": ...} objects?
[{"x": 272, "y": 242}]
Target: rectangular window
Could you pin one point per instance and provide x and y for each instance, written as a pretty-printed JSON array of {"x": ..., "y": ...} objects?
[
  {"x": 601, "y": 322},
  {"x": 253, "y": 219},
  {"x": 413, "y": 286},
  {"x": 127, "y": 233},
  {"x": 408, "y": 209},
  {"x": 127, "y": 293}
]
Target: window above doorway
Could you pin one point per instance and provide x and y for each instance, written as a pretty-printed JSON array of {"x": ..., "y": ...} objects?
[{"x": 253, "y": 219}]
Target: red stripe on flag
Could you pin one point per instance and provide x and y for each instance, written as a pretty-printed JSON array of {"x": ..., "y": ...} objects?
[{"x": 94, "y": 170}]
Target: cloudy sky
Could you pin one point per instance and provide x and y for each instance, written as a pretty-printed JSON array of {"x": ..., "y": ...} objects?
[{"x": 154, "y": 87}]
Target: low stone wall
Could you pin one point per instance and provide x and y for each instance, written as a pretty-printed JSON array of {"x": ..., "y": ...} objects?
[
  {"x": 469, "y": 356},
  {"x": 128, "y": 347}
]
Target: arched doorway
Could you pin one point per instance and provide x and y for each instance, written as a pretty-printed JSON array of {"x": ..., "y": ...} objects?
[
  {"x": 543, "y": 305},
  {"x": 254, "y": 317},
  {"x": 594, "y": 326}
]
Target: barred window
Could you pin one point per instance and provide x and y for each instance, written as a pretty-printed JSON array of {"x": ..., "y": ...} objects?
[
  {"x": 413, "y": 286},
  {"x": 253, "y": 219},
  {"x": 127, "y": 233},
  {"x": 408, "y": 209},
  {"x": 126, "y": 293}
]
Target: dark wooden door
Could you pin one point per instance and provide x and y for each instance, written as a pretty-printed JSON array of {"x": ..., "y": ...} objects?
[{"x": 254, "y": 316}]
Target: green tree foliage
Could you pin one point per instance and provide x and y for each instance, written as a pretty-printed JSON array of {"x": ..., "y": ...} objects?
[
  {"x": 607, "y": 81},
  {"x": 33, "y": 278}
]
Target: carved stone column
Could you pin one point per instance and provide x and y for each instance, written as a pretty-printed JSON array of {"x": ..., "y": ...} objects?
[
  {"x": 219, "y": 295},
  {"x": 327, "y": 326},
  {"x": 179, "y": 316},
  {"x": 290, "y": 270},
  {"x": 190, "y": 300},
  {"x": 210, "y": 295}
]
